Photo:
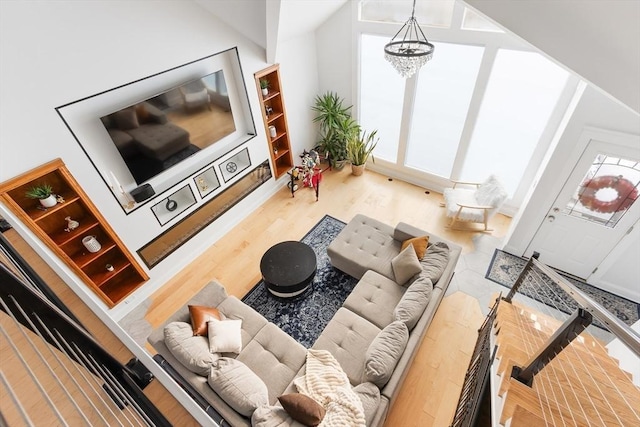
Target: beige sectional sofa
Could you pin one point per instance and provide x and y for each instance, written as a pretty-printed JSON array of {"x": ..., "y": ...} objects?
[{"x": 374, "y": 336}]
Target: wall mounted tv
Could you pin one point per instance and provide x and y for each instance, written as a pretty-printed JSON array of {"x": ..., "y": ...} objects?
[{"x": 159, "y": 132}]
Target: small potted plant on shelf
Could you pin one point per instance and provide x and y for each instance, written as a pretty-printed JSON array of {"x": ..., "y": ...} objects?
[
  {"x": 44, "y": 193},
  {"x": 264, "y": 85},
  {"x": 359, "y": 148}
]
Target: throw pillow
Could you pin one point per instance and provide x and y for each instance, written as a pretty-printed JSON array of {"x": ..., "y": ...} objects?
[
  {"x": 369, "y": 395},
  {"x": 125, "y": 119},
  {"x": 200, "y": 315},
  {"x": 435, "y": 261},
  {"x": 272, "y": 416},
  {"x": 413, "y": 302},
  {"x": 406, "y": 265},
  {"x": 238, "y": 385},
  {"x": 302, "y": 408},
  {"x": 418, "y": 243},
  {"x": 192, "y": 351},
  {"x": 384, "y": 352},
  {"x": 225, "y": 336}
]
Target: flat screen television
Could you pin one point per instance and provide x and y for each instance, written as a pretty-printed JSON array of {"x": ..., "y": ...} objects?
[{"x": 159, "y": 132}]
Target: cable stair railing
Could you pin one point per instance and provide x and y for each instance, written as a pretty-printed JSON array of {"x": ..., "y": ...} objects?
[
  {"x": 550, "y": 368},
  {"x": 53, "y": 372}
]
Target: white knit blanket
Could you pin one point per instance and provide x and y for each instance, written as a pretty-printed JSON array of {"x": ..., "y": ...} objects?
[{"x": 326, "y": 383}]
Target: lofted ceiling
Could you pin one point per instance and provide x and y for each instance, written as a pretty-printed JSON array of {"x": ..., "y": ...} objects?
[{"x": 597, "y": 39}]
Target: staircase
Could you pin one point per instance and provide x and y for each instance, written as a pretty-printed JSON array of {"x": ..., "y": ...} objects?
[{"x": 582, "y": 385}]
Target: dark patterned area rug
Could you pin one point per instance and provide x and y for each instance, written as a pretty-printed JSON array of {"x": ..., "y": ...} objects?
[
  {"x": 304, "y": 317},
  {"x": 505, "y": 269}
]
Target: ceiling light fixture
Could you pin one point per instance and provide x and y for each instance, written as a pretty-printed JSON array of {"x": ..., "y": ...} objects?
[{"x": 409, "y": 49}]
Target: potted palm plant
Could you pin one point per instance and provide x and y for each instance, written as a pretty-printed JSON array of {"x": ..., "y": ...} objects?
[
  {"x": 336, "y": 127},
  {"x": 44, "y": 193},
  {"x": 359, "y": 148}
]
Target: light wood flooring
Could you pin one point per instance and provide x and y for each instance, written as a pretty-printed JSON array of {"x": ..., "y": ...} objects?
[{"x": 431, "y": 391}]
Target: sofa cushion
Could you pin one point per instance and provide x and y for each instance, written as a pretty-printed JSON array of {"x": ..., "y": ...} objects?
[
  {"x": 200, "y": 315},
  {"x": 302, "y": 408},
  {"x": 347, "y": 337},
  {"x": 233, "y": 381},
  {"x": 275, "y": 357},
  {"x": 406, "y": 265},
  {"x": 125, "y": 119},
  {"x": 413, "y": 302},
  {"x": 384, "y": 352},
  {"x": 252, "y": 321},
  {"x": 192, "y": 351},
  {"x": 225, "y": 336},
  {"x": 374, "y": 298},
  {"x": 435, "y": 261},
  {"x": 419, "y": 245},
  {"x": 369, "y": 395},
  {"x": 364, "y": 244},
  {"x": 273, "y": 416}
]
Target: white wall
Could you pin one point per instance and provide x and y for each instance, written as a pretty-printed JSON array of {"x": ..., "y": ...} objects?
[
  {"x": 58, "y": 52},
  {"x": 594, "y": 109}
]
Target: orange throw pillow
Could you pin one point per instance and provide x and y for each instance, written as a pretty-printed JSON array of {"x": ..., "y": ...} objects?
[
  {"x": 419, "y": 245},
  {"x": 200, "y": 315}
]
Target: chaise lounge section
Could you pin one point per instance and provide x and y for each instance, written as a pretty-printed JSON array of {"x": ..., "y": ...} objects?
[{"x": 374, "y": 336}]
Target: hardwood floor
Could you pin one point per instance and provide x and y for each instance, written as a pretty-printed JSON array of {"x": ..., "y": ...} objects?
[{"x": 431, "y": 391}]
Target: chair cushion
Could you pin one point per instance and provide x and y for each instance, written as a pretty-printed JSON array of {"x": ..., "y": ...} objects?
[
  {"x": 406, "y": 265},
  {"x": 192, "y": 351},
  {"x": 233, "y": 381},
  {"x": 414, "y": 302},
  {"x": 374, "y": 298},
  {"x": 464, "y": 196},
  {"x": 491, "y": 192},
  {"x": 384, "y": 352}
]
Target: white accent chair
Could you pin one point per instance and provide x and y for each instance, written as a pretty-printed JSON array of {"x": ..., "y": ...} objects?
[{"x": 474, "y": 204}]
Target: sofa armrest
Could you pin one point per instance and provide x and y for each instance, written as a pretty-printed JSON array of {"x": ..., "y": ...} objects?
[{"x": 404, "y": 231}]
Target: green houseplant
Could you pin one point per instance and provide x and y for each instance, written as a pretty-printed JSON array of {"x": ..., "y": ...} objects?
[
  {"x": 44, "y": 193},
  {"x": 336, "y": 127},
  {"x": 264, "y": 85},
  {"x": 359, "y": 148}
]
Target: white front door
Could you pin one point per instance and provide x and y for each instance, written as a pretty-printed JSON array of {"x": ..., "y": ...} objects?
[{"x": 596, "y": 207}]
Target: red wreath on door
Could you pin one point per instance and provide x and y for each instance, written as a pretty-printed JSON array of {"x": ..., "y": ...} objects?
[{"x": 627, "y": 194}]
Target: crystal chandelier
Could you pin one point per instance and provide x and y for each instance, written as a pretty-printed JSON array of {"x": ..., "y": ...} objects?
[{"x": 409, "y": 49}]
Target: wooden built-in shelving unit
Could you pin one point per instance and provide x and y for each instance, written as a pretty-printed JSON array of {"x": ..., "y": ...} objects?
[
  {"x": 49, "y": 224},
  {"x": 279, "y": 145}
]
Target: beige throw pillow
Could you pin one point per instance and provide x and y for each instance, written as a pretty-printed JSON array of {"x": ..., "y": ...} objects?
[
  {"x": 192, "y": 351},
  {"x": 225, "y": 336},
  {"x": 413, "y": 302},
  {"x": 406, "y": 265},
  {"x": 238, "y": 385},
  {"x": 384, "y": 352}
]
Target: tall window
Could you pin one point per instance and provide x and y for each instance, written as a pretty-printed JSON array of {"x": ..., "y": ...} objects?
[
  {"x": 381, "y": 97},
  {"x": 442, "y": 99},
  {"x": 522, "y": 92}
]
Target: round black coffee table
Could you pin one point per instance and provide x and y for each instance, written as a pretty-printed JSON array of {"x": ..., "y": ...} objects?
[{"x": 288, "y": 268}]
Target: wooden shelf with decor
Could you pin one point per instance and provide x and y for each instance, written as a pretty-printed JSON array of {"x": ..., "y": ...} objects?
[
  {"x": 111, "y": 272},
  {"x": 274, "y": 114}
]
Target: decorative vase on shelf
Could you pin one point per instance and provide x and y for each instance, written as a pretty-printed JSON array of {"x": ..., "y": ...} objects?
[
  {"x": 49, "y": 202},
  {"x": 265, "y": 91},
  {"x": 72, "y": 224}
]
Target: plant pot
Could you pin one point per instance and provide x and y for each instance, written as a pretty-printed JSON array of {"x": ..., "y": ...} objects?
[
  {"x": 357, "y": 170},
  {"x": 265, "y": 91},
  {"x": 49, "y": 202},
  {"x": 339, "y": 164}
]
